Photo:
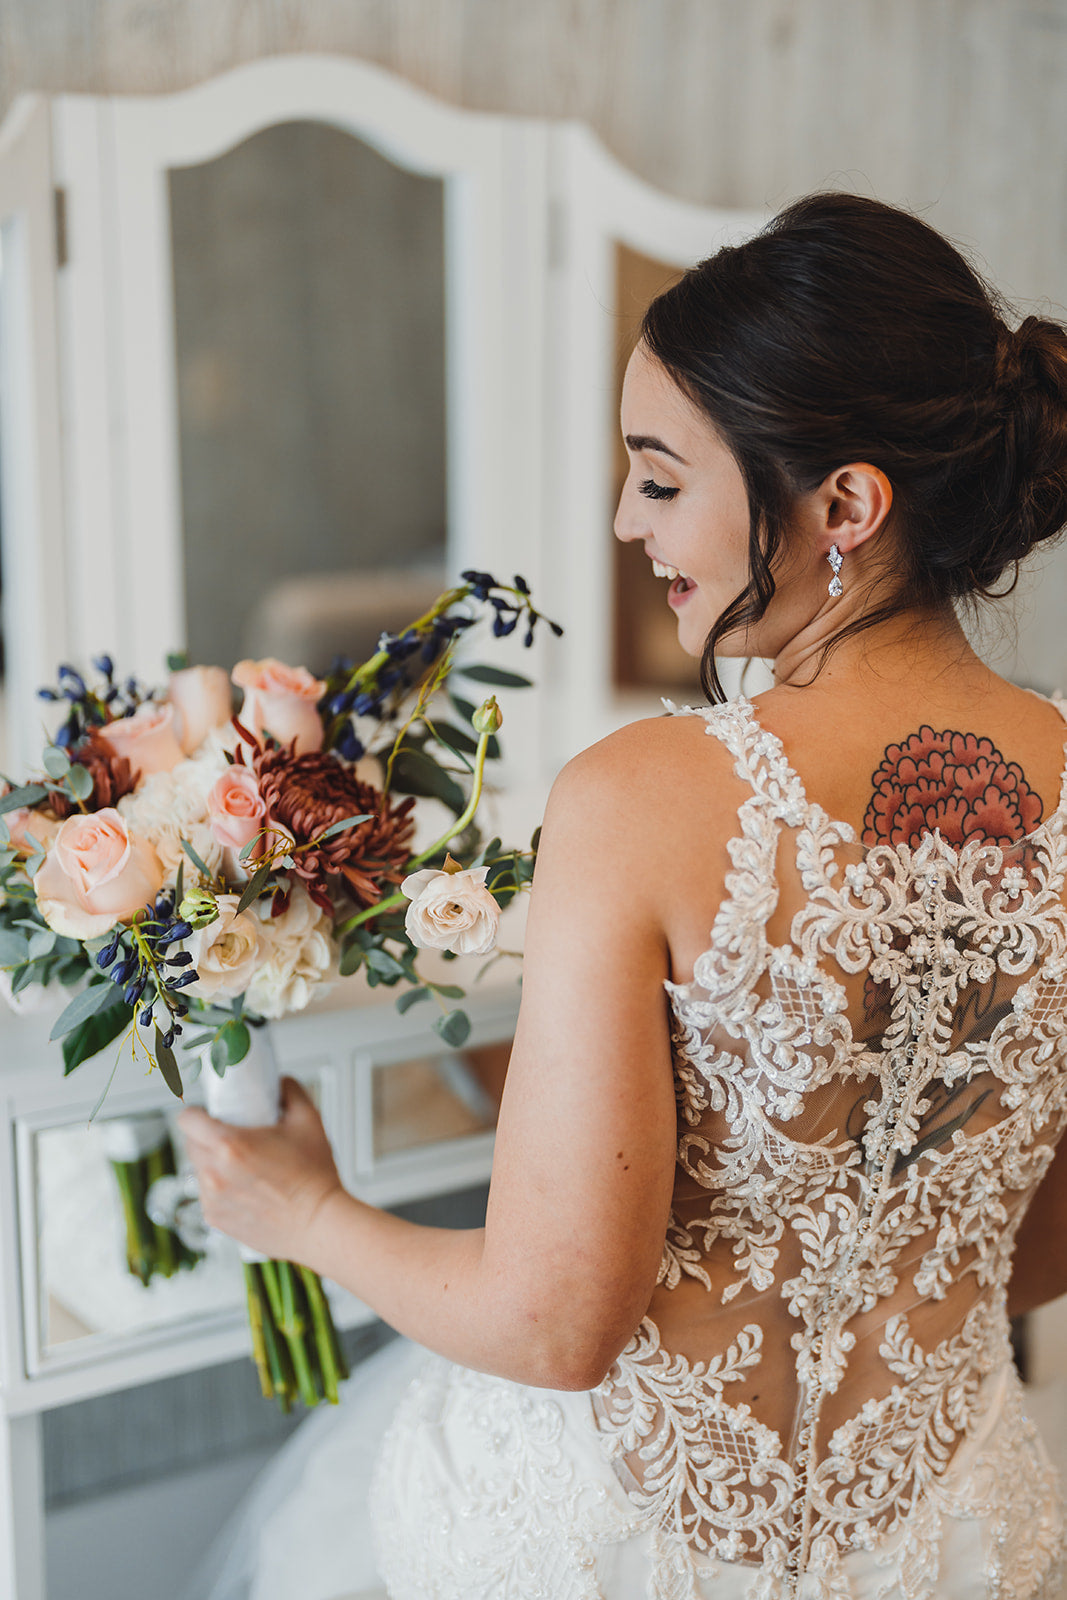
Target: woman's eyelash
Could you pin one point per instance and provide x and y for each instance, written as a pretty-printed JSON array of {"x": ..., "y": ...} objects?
[{"x": 656, "y": 491}]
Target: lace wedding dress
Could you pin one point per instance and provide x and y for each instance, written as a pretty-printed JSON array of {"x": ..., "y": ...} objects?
[{"x": 820, "y": 1402}]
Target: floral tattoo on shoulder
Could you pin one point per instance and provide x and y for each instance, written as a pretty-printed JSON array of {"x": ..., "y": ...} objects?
[{"x": 957, "y": 783}]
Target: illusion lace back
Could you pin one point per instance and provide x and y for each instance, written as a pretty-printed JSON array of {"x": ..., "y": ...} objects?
[{"x": 869, "y": 1065}]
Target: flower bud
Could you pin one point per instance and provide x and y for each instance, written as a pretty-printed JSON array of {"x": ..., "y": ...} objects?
[
  {"x": 488, "y": 717},
  {"x": 199, "y": 908}
]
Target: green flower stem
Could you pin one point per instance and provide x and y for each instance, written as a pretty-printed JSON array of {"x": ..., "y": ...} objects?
[
  {"x": 156, "y": 1166},
  {"x": 138, "y": 1249},
  {"x": 457, "y": 827},
  {"x": 332, "y": 1363},
  {"x": 279, "y": 1362},
  {"x": 255, "y": 1324},
  {"x": 278, "y": 1276},
  {"x": 369, "y": 670}
]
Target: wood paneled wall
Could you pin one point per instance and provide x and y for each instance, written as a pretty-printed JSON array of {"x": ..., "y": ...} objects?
[{"x": 958, "y": 107}]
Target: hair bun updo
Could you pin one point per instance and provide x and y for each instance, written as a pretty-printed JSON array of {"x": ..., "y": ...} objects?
[{"x": 849, "y": 330}]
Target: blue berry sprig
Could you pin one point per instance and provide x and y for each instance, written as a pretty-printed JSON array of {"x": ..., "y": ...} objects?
[
  {"x": 92, "y": 707},
  {"x": 138, "y": 960}
]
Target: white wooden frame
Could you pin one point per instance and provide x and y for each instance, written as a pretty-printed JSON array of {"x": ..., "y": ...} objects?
[
  {"x": 113, "y": 157},
  {"x": 31, "y": 507},
  {"x": 599, "y": 205}
]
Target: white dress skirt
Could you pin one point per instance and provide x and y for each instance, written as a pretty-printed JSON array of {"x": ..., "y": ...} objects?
[{"x": 431, "y": 1482}]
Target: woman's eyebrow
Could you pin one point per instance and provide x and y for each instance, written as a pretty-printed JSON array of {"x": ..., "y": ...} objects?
[{"x": 645, "y": 441}]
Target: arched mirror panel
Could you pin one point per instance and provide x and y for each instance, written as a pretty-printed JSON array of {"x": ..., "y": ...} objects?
[{"x": 309, "y": 310}]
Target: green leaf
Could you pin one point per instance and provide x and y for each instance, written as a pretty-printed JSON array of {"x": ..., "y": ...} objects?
[
  {"x": 253, "y": 888},
  {"x": 381, "y": 961},
  {"x": 41, "y": 944},
  {"x": 168, "y": 1067},
  {"x": 102, "y": 1096},
  {"x": 177, "y": 660},
  {"x": 351, "y": 960},
  {"x": 197, "y": 861},
  {"x": 454, "y": 1028},
  {"x": 497, "y": 677},
  {"x": 416, "y": 773},
  {"x": 79, "y": 781},
  {"x": 56, "y": 762},
  {"x": 486, "y": 853},
  {"x": 28, "y": 795},
  {"x": 179, "y": 883},
  {"x": 466, "y": 708},
  {"x": 448, "y": 991},
  {"x": 346, "y": 822},
  {"x": 96, "y": 998},
  {"x": 91, "y": 1037},
  {"x": 235, "y": 1039},
  {"x": 14, "y": 948},
  {"x": 404, "y": 1002},
  {"x": 535, "y": 839}
]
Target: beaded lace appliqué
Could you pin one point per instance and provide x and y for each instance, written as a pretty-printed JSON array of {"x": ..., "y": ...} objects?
[{"x": 850, "y": 1228}]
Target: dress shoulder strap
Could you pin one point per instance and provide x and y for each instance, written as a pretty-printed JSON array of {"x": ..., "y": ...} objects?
[{"x": 759, "y": 759}]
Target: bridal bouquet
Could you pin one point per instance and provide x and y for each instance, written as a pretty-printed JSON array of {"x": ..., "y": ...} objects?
[{"x": 189, "y": 872}]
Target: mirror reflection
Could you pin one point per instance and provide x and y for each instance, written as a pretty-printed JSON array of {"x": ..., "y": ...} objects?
[
  {"x": 429, "y": 1099},
  {"x": 88, "y": 1279},
  {"x": 309, "y": 292}
]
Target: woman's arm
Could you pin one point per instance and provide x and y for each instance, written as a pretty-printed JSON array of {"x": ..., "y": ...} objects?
[
  {"x": 1039, "y": 1267},
  {"x": 550, "y": 1291}
]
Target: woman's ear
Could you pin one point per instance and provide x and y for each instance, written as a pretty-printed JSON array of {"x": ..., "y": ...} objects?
[{"x": 854, "y": 502}]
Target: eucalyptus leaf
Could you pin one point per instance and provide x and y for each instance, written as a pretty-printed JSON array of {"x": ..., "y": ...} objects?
[
  {"x": 80, "y": 781},
  {"x": 91, "y": 1036},
  {"x": 351, "y": 960},
  {"x": 381, "y": 961},
  {"x": 346, "y": 822},
  {"x": 96, "y": 998},
  {"x": 416, "y": 773},
  {"x": 168, "y": 1067},
  {"x": 496, "y": 677},
  {"x": 197, "y": 861},
  {"x": 411, "y": 997},
  {"x": 177, "y": 660},
  {"x": 236, "y": 1039},
  {"x": 41, "y": 944},
  {"x": 179, "y": 883},
  {"x": 449, "y": 991},
  {"x": 13, "y": 948},
  {"x": 454, "y": 1028},
  {"x": 56, "y": 762},
  {"x": 27, "y": 795},
  {"x": 253, "y": 888}
]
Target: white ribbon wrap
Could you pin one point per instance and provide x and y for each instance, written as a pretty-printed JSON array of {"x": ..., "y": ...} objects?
[{"x": 248, "y": 1095}]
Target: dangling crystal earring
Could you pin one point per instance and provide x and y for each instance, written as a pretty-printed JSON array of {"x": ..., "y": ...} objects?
[{"x": 835, "y": 558}]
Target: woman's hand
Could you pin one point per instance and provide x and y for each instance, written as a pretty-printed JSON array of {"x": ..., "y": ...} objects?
[{"x": 264, "y": 1186}]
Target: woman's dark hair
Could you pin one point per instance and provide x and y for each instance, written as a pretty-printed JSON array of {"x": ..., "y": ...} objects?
[{"x": 847, "y": 330}]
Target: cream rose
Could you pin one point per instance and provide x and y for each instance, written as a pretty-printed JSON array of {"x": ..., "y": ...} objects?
[
  {"x": 96, "y": 873},
  {"x": 225, "y": 953},
  {"x": 202, "y": 701},
  {"x": 451, "y": 911},
  {"x": 147, "y": 739},
  {"x": 296, "y": 956},
  {"x": 281, "y": 701},
  {"x": 235, "y": 808}
]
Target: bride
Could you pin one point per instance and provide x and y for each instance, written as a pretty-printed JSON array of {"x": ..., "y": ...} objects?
[{"x": 763, "y": 1198}]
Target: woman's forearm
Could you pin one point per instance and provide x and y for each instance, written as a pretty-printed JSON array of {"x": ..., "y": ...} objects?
[{"x": 436, "y": 1286}]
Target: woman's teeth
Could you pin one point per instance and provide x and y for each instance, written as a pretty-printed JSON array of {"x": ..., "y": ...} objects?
[{"x": 662, "y": 570}]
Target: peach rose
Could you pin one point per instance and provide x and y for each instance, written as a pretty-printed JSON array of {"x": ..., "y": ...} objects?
[
  {"x": 280, "y": 700},
  {"x": 202, "y": 701},
  {"x": 451, "y": 911},
  {"x": 30, "y": 830},
  {"x": 235, "y": 808},
  {"x": 96, "y": 874},
  {"x": 147, "y": 739}
]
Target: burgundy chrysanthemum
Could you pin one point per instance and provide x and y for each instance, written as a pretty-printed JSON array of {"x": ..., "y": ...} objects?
[
  {"x": 958, "y": 783},
  {"x": 307, "y": 794},
  {"x": 111, "y": 773}
]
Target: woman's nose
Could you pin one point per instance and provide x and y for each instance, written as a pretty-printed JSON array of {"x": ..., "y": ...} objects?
[{"x": 629, "y": 522}]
